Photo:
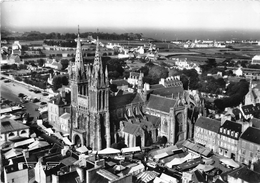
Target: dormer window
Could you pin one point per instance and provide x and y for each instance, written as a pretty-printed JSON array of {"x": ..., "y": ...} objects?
[
  {"x": 221, "y": 130},
  {"x": 228, "y": 132},
  {"x": 225, "y": 131},
  {"x": 232, "y": 133},
  {"x": 236, "y": 134}
]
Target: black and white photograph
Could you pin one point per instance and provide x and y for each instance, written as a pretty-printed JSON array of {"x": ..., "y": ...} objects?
[{"x": 130, "y": 91}]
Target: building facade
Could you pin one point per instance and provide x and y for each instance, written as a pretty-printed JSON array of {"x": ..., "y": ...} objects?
[
  {"x": 249, "y": 146},
  {"x": 57, "y": 107},
  {"x": 227, "y": 139},
  {"x": 96, "y": 114},
  {"x": 89, "y": 102},
  {"x": 206, "y": 131}
]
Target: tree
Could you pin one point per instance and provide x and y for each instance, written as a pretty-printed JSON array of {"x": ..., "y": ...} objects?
[
  {"x": 156, "y": 73},
  {"x": 40, "y": 62},
  {"x": 13, "y": 66},
  {"x": 162, "y": 140},
  {"x": 22, "y": 66},
  {"x": 58, "y": 81},
  {"x": 64, "y": 80},
  {"x": 64, "y": 63}
]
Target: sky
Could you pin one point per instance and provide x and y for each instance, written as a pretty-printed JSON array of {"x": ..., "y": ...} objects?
[{"x": 122, "y": 16}]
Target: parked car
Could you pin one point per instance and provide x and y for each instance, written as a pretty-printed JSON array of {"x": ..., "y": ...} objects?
[
  {"x": 43, "y": 103},
  {"x": 45, "y": 94},
  {"x": 7, "y": 81},
  {"x": 35, "y": 100},
  {"x": 37, "y": 91}
]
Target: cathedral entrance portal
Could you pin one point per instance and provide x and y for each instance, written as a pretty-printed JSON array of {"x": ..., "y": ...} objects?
[{"x": 77, "y": 140}]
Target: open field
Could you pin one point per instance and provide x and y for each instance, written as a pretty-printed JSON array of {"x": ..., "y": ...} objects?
[{"x": 37, "y": 42}]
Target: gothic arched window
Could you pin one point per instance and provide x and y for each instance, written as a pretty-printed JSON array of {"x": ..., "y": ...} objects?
[{"x": 165, "y": 126}]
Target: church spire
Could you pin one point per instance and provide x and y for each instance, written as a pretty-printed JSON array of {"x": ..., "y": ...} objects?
[
  {"x": 97, "y": 57},
  {"x": 78, "y": 58}
]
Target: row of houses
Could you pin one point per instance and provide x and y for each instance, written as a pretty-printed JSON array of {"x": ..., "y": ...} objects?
[{"x": 237, "y": 140}]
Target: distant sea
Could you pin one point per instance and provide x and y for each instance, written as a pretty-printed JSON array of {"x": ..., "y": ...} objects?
[{"x": 165, "y": 34}]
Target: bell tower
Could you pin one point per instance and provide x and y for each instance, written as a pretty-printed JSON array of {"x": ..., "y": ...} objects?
[{"x": 99, "y": 102}]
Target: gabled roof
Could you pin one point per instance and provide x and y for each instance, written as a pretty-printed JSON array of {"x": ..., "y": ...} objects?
[
  {"x": 208, "y": 124},
  {"x": 169, "y": 91},
  {"x": 252, "y": 135},
  {"x": 245, "y": 174},
  {"x": 9, "y": 125},
  {"x": 156, "y": 86},
  {"x": 251, "y": 109},
  {"x": 125, "y": 99},
  {"x": 232, "y": 126},
  {"x": 156, "y": 121},
  {"x": 133, "y": 129},
  {"x": 160, "y": 103},
  {"x": 255, "y": 122}
]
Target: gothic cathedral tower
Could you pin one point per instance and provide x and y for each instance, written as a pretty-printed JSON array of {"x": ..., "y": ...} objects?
[{"x": 90, "y": 120}]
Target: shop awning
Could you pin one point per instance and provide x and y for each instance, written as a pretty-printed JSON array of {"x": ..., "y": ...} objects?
[
  {"x": 159, "y": 180},
  {"x": 109, "y": 150},
  {"x": 37, "y": 144},
  {"x": 24, "y": 142},
  {"x": 162, "y": 155},
  {"x": 204, "y": 168},
  {"x": 197, "y": 148},
  {"x": 82, "y": 149},
  {"x": 67, "y": 141},
  {"x": 229, "y": 162},
  {"x": 178, "y": 161},
  {"x": 131, "y": 149},
  {"x": 13, "y": 153}
]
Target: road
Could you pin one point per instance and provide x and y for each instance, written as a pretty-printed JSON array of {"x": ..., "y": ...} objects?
[{"x": 11, "y": 90}]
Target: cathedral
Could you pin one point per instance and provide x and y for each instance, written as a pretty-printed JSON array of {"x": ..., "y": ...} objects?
[{"x": 138, "y": 115}]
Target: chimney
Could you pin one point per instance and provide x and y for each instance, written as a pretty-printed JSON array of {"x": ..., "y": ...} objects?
[{"x": 55, "y": 178}]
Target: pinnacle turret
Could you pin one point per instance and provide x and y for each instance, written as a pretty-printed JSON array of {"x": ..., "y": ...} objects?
[{"x": 78, "y": 58}]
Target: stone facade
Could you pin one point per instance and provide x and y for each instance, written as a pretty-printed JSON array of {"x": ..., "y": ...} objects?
[{"x": 96, "y": 114}]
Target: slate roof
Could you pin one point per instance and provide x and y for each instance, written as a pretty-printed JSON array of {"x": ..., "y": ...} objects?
[
  {"x": 245, "y": 174},
  {"x": 208, "y": 123},
  {"x": 233, "y": 126},
  {"x": 252, "y": 135},
  {"x": 68, "y": 161},
  {"x": 130, "y": 128},
  {"x": 156, "y": 86},
  {"x": 156, "y": 121},
  {"x": 197, "y": 175},
  {"x": 160, "y": 103},
  {"x": 9, "y": 125},
  {"x": 250, "y": 109},
  {"x": 169, "y": 91},
  {"x": 255, "y": 122},
  {"x": 119, "y": 82},
  {"x": 125, "y": 99}
]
